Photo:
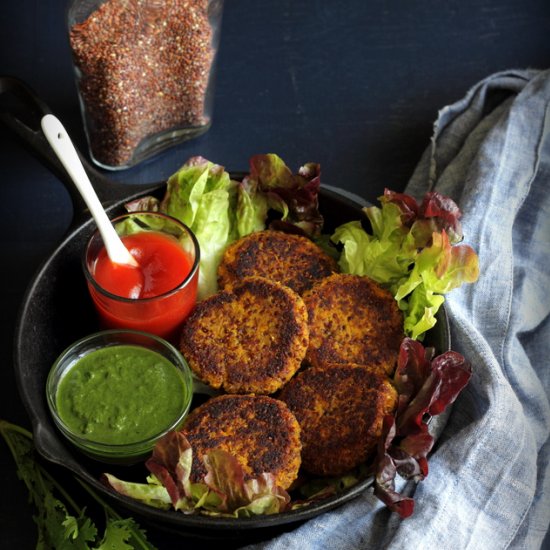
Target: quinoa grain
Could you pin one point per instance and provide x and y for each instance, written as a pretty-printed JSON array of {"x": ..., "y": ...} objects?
[{"x": 143, "y": 69}]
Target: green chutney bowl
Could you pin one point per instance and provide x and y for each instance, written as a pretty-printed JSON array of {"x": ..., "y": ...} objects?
[{"x": 115, "y": 393}]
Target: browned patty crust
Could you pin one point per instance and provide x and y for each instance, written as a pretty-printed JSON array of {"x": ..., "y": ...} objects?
[
  {"x": 250, "y": 338},
  {"x": 340, "y": 410},
  {"x": 292, "y": 260},
  {"x": 259, "y": 431},
  {"x": 353, "y": 320}
]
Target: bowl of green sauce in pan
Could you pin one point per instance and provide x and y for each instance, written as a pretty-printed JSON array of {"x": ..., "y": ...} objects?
[{"x": 114, "y": 393}]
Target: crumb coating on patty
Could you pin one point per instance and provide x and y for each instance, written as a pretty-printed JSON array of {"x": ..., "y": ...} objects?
[
  {"x": 250, "y": 338},
  {"x": 259, "y": 431},
  {"x": 293, "y": 260},
  {"x": 340, "y": 409},
  {"x": 352, "y": 319}
]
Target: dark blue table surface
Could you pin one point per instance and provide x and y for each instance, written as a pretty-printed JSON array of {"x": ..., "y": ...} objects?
[{"x": 354, "y": 85}]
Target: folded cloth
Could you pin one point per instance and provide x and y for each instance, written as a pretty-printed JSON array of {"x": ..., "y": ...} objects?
[{"x": 489, "y": 484}]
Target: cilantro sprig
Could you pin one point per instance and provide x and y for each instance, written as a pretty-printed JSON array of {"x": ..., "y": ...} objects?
[{"x": 62, "y": 524}]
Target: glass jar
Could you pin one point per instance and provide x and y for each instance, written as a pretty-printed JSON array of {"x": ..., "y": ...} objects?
[{"x": 144, "y": 72}]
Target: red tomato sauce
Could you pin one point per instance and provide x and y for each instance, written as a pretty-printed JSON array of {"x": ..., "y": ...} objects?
[{"x": 163, "y": 266}]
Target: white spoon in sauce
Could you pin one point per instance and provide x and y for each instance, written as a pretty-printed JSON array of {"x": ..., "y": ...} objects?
[{"x": 64, "y": 149}]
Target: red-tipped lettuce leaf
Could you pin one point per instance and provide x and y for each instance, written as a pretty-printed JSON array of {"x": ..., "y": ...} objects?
[
  {"x": 446, "y": 213},
  {"x": 413, "y": 367},
  {"x": 225, "y": 489},
  {"x": 239, "y": 494},
  {"x": 454, "y": 373},
  {"x": 386, "y": 471},
  {"x": 406, "y": 203},
  {"x": 449, "y": 374},
  {"x": 226, "y": 477},
  {"x": 428, "y": 386},
  {"x": 409, "y": 250},
  {"x": 171, "y": 464},
  {"x": 294, "y": 196}
]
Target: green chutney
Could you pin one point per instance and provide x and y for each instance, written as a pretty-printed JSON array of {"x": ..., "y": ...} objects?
[{"x": 121, "y": 394}]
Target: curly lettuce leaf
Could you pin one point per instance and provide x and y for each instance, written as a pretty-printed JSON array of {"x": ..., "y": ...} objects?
[
  {"x": 240, "y": 496},
  {"x": 364, "y": 254},
  {"x": 438, "y": 269},
  {"x": 410, "y": 249},
  {"x": 187, "y": 188},
  {"x": 444, "y": 213},
  {"x": 225, "y": 490},
  {"x": 202, "y": 196},
  {"x": 384, "y": 254},
  {"x": 441, "y": 267},
  {"x": 270, "y": 171},
  {"x": 386, "y": 471},
  {"x": 293, "y": 196},
  {"x": 152, "y": 494},
  {"x": 252, "y": 208},
  {"x": 441, "y": 212},
  {"x": 420, "y": 311},
  {"x": 413, "y": 367}
]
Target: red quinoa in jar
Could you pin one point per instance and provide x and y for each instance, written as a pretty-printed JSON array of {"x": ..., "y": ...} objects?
[{"x": 144, "y": 71}]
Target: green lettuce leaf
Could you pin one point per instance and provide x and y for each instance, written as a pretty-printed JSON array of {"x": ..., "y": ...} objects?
[
  {"x": 364, "y": 254},
  {"x": 441, "y": 267},
  {"x": 420, "y": 311},
  {"x": 410, "y": 249},
  {"x": 252, "y": 208},
  {"x": 202, "y": 196},
  {"x": 152, "y": 494}
]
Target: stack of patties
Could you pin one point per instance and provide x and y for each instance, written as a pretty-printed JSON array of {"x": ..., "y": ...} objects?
[
  {"x": 302, "y": 353},
  {"x": 340, "y": 401}
]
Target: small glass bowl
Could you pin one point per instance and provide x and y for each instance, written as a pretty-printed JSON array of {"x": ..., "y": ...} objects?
[
  {"x": 127, "y": 453},
  {"x": 163, "y": 314}
]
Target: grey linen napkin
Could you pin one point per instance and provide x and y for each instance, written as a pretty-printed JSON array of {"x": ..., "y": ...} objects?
[{"x": 489, "y": 483}]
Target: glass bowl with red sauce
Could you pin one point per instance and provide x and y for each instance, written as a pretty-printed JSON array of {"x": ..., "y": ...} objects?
[{"x": 158, "y": 295}]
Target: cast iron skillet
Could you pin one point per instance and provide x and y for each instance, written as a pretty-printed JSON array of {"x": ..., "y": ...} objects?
[{"x": 48, "y": 322}]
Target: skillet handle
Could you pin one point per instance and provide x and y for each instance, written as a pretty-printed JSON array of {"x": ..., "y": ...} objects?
[{"x": 21, "y": 110}]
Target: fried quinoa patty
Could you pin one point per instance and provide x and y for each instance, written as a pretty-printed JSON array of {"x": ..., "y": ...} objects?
[
  {"x": 250, "y": 338},
  {"x": 292, "y": 260},
  {"x": 353, "y": 320},
  {"x": 340, "y": 409},
  {"x": 259, "y": 431}
]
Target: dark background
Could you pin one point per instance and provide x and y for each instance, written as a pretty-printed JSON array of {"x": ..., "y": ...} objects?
[{"x": 354, "y": 85}]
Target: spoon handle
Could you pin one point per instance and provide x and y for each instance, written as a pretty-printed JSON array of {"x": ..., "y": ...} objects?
[{"x": 62, "y": 145}]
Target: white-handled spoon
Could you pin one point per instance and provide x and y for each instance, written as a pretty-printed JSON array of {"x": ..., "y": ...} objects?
[{"x": 61, "y": 143}]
